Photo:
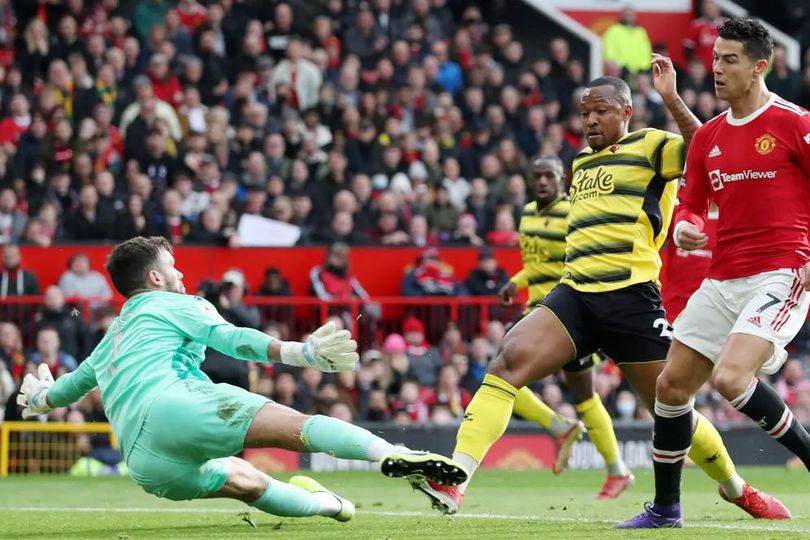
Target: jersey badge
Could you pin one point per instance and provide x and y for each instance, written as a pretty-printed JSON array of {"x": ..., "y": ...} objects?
[
  {"x": 765, "y": 144},
  {"x": 615, "y": 148}
]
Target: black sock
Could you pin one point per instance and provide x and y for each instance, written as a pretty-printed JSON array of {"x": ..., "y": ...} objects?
[
  {"x": 764, "y": 406},
  {"x": 672, "y": 438}
]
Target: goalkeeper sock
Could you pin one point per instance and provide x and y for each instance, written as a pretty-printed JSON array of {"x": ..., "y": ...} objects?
[
  {"x": 282, "y": 499},
  {"x": 344, "y": 440},
  {"x": 485, "y": 420},
  {"x": 600, "y": 430},
  {"x": 530, "y": 407},
  {"x": 672, "y": 436},
  {"x": 764, "y": 406},
  {"x": 710, "y": 454}
]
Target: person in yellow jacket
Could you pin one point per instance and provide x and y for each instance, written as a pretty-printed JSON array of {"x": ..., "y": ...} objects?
[{"x": 627, "y": 43}]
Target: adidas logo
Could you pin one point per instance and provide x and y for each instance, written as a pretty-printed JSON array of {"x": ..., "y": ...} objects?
[
  {"x": 715, "y": 151},
  {"x": 755, "y": 320},
  {"x": 467, "y": 417}
]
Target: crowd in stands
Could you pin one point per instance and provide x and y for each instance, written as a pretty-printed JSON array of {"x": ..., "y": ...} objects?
[{"x": 389, "y": 122}]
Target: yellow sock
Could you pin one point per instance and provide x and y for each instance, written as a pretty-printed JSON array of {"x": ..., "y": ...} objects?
[
  {"x": 486, "y": 417},
  {"x": 533, "y": 409},
  {"x": 709, "y": 453},
  {"x": 600, "y": 428}
]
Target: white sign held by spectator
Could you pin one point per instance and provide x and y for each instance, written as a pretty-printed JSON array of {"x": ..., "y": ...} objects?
[{"x": 265, "y": 232}]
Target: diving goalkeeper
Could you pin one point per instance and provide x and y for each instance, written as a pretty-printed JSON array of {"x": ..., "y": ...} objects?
[{"x": 178, "y": 431}]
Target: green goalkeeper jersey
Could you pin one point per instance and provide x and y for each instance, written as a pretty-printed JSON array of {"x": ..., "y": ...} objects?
[{"x": 158, "y": 339}]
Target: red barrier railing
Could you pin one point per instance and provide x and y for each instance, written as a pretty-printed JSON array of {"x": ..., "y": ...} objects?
[{"x": 370, "y": 321}]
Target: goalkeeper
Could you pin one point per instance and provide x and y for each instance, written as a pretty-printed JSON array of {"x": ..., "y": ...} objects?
[{"x": 178, "y": 431}]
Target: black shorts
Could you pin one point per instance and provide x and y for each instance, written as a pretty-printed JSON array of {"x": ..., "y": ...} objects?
[
  {"x": 584, "y": 363},
  {"x": 628, "y": 324}
]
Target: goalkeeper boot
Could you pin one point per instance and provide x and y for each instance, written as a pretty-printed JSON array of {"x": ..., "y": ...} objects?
[
  {"x": 655, "y": 517},
  {"x": 446, "y": 499},
  {"x": 415, "y": 465},
  {"x": 758, "y": 504},
  {"x": 313, "y": 486},
  {"x": 565, "y": 446},
  {"x": 615, "y": 486}
]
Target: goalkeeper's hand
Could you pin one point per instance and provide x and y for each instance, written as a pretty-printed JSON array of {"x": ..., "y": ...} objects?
[
  {"x": 326, "y": 350},
  {"x": 34, "y": 391}
]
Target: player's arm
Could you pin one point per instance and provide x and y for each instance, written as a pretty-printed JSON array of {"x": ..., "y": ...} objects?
[
  {"x": 693, "y": 207},
  {"x": 40, "y": 394},
  {"x": 664, "y": 80},
  {"x": 325, "y": 350},
  {"x": 510, "y": 288},
  {"x": 801, "y": 141}
]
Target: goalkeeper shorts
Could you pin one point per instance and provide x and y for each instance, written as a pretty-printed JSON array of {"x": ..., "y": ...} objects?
[{"x": 188, "y": 432}]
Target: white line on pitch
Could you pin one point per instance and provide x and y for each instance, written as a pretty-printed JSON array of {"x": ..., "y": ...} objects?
[{"x": 511, "y": 517}]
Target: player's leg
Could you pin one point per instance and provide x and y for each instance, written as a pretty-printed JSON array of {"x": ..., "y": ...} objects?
[
  {"x": 679, "y": 431},
  {"x": 579, "y": 378},
  {"x": 281, "y": 427},
  {"x": 171, "y": 475},
  {"x": 769, "y": 320},
  {"x": 537, "y": 346},
  {"x": 567, "y": 431},
  {"x": 301, "y": 497}
]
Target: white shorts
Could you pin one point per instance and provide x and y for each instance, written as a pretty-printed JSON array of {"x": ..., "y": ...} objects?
[{"x": 772, "y": 305}]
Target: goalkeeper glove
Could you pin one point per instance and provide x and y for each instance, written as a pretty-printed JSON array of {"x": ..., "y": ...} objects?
[
  {"x": 325, "y": 350},
  {"x": 34, "y": 391}
]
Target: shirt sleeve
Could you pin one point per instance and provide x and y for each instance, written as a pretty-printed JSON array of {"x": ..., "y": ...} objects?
[
  {"x": 198, "y": 320},
  {"x": 521, "y": 279},
  {"x": 694, "y": 194},
  {"x": 73, "y": 386},
  {"x": 668, "y": 154},
  {"x": 801, "y": 137}
]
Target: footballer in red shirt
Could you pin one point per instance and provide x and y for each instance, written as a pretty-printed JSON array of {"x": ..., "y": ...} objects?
[{"x": 753, "y": 161}]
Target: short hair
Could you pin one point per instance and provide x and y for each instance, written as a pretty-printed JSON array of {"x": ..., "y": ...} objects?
[
  {"x": 130, "y": 262},
  {"x": 757, "y": 41},
  {"x": 620, "y": 87},
  {"x": 555, "y": 162}
]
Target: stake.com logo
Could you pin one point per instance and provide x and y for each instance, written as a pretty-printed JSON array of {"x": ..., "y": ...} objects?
[{"x": 720, "y": 179}]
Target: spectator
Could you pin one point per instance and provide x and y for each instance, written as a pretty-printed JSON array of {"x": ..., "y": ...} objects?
[
  {"x": 793, "y": 375},
  {"x": 82, "y": 282},
  {"x": 49, "y": 351},
  {"x": 466, "y": 232},
  {"x": 14, "y": 280},
  {"x": 488, "y": 277},
  {"x": 12, "y": 220},
  {"x": 134, "y": 220},
  {"x": 231, "y": 300},
  {"x": 627, "y": 43},
  {"x": 441, "y": 215},
  {"x": 17, "y": 123},
  {"x": 423, "y": 359},
  {"x": 449, "y": 392},
  {"x": 73, "y": 334},
  {"x": 431, "y": 277},
  {"x": 12, "y": 355},
  {"x": 274, "y": 284},
  {"x": 783, "y": 81},
  {"x": 334, "y": 280},
  {"x": 504, "y": 233},
  {"x": 209, "y": 230},
  {"x": 699, "y": 43},
  {"x": 299, "y": 74},
  {"x": 88, "y": 222},
  {"x": 410, "y": 401},
  {"x": 172, "y": 224}
]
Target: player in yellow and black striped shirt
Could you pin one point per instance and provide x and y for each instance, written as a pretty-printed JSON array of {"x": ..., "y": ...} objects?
[
  {"x": 621, "y": 201},
  {"x": 542, "y": 245}
]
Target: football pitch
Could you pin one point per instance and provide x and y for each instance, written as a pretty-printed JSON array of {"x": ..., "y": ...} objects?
[{"x": 500, "y": 504}]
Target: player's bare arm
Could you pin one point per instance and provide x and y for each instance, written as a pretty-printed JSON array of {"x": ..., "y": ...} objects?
[{"x": 664, "y": 80}]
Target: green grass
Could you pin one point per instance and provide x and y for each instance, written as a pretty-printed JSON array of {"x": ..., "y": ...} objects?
[{"x": 525, "y": 504}]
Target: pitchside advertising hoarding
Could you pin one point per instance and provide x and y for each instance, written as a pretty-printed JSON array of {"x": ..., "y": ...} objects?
[
  {"x": 526, "y": 448},
  {"x": 666, "y": 21}
]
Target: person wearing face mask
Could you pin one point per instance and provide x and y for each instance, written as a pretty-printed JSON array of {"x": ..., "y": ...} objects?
[
  {"x": 333, "y": 280},
  {"x": 626, "y": 405}
]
